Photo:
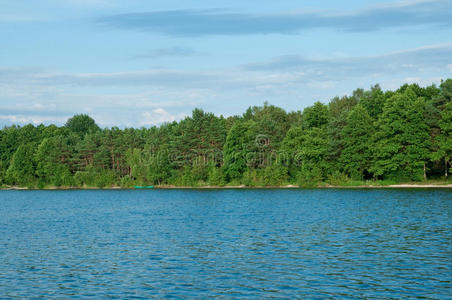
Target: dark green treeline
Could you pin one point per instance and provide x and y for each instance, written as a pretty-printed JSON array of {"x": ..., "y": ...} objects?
[{"x": 398, "y": 136}]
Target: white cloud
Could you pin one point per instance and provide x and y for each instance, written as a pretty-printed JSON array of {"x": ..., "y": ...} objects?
[
  {"x": 421, "y": 81},
  {"x": 35, "y": 119},
  {"x": 155, "y": 96},
  {"x": 275, "y": 73},
  {"x": 322, "y": 84},
  {"x": 411, "y": 80},
  {"x": 159, "y": 116},
  {"x": 167, "y": 52},
  {"x": 411, "y": 60},
  {"x": 187, "y": 23}
]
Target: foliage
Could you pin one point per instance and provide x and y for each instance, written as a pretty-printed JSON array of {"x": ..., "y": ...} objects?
[
  {"x": 384, "y": 136},
  {"x": 309, "y": 177},
  {"x": 21, "y": 170},
  {"x": 402, "y": 138},
  {"x": 82, "y": 124},
  {"x": 356, "y": 156},
  {"x": 274, "y": 175},
  {"x": 235, "y": 150},
  {"x": 338, "y": 179},
  {"x": 314, "y": 152},
  {"x": 444, "y": 139},
  {"x": 315, "y": 116},
  {"x": 215, "y": 176}
]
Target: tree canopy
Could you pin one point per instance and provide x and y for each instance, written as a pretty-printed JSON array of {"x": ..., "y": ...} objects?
[
  {"x": 82, "y": 124},
  {"x": 401, "y": 135}
]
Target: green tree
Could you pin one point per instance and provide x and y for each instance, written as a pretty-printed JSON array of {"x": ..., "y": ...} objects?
[
  {"x": 309, "y": 176},
  {"x": 444, "y": 94},
  {"x": 2, "y": 173},
  {"x": 236, "y": 150},
  {"x": 87, "y": 177},
  {"x": 52, "y": 156},
  {"x": 82, "y": 124},
  {"x": 307, "y": 151},
  {"x": 291, "y": 149},
  {"x": 356, "y": 157},
  {"x": 315, "y": 116},
  {"x": 373, "y": 101},
  {"x": 138, "y": 167},
  {"x": 272, "y": 122},
  {"x": 402, "y": 139},
  {"x": 402, "y": 135},
  {"x": 274, "y": 174},
  {"x": 200, "y": 134},
  {"x": 105, "y": 178},
  {"x": 444, "y": 139},
  {"x": 215, "y": 175},
  {"x": 21, "y": 170},
  {"x": 339, "y": 109},
  {"x": 314, "y": 152},
  {"x": 159, "y": 167}
]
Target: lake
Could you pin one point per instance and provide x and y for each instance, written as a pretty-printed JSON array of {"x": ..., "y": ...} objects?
[{"x": 347, "y": 244}]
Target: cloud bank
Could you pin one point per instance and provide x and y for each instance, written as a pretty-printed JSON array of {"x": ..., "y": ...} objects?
[
  {"x": 154, "y": 96},
  {"x": 167, "y": 52},
  {"x": 217, "y": 22},
  {"x": 437, "y": 57}
]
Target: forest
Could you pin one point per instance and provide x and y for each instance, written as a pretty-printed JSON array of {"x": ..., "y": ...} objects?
[{"x": 370, "y": 136}]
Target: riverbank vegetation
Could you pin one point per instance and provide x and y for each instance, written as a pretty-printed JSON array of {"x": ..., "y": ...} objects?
[{"x": 371, "y": 137}]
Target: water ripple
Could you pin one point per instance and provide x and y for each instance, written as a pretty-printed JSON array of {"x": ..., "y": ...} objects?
[{"x": 348, "y": 244}]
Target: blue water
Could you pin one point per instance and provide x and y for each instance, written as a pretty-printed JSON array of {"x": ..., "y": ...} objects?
[{"x": 343, "y": 244}]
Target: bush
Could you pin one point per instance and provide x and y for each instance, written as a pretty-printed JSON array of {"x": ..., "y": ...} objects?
[
  {"x": 105, "y": 178},
  {"x": 275, "y": 174},
  {"x": 80, "y": 178},
  {"x": 215, "y": 176},
  {"x": 62, "y": 177},
  {"x": 308, "y": 178},
  {"x": 250, "y": 178},
  {"x": 188, "y": 178},
  {"x": 88, "y": 177},
  {"x": 126, "y": 182},
  {"x": 338, "y": 178}
]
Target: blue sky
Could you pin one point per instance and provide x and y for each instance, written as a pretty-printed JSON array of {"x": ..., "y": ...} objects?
[{"x": 141, "y": 63}]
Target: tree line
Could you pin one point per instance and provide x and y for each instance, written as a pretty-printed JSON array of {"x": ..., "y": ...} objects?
[{"x": 371, "y": 135}]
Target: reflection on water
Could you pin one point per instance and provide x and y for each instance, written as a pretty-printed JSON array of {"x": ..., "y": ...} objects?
[{"x": 230, "y": 243}]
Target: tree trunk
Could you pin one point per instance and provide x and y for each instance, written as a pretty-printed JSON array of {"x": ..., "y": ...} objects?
[
  {"x": 425, "y": 172},
  {"x": 447, "y": 167}
]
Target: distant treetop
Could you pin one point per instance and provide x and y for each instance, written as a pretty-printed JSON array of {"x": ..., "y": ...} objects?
[{"x": 82, "y": 124}]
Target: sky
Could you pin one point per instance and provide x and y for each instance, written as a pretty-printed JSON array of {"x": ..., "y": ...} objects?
[{"x": 145, "y": 62}]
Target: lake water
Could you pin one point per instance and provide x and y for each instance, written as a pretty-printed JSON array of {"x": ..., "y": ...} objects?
[{"x": 226, "y": 243}]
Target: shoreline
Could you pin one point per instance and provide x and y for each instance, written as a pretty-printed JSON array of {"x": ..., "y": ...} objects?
[{"x": 172, "y": 187}]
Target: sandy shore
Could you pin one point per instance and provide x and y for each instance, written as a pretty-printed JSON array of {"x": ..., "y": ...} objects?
[{"x": 420, "y": 186}]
